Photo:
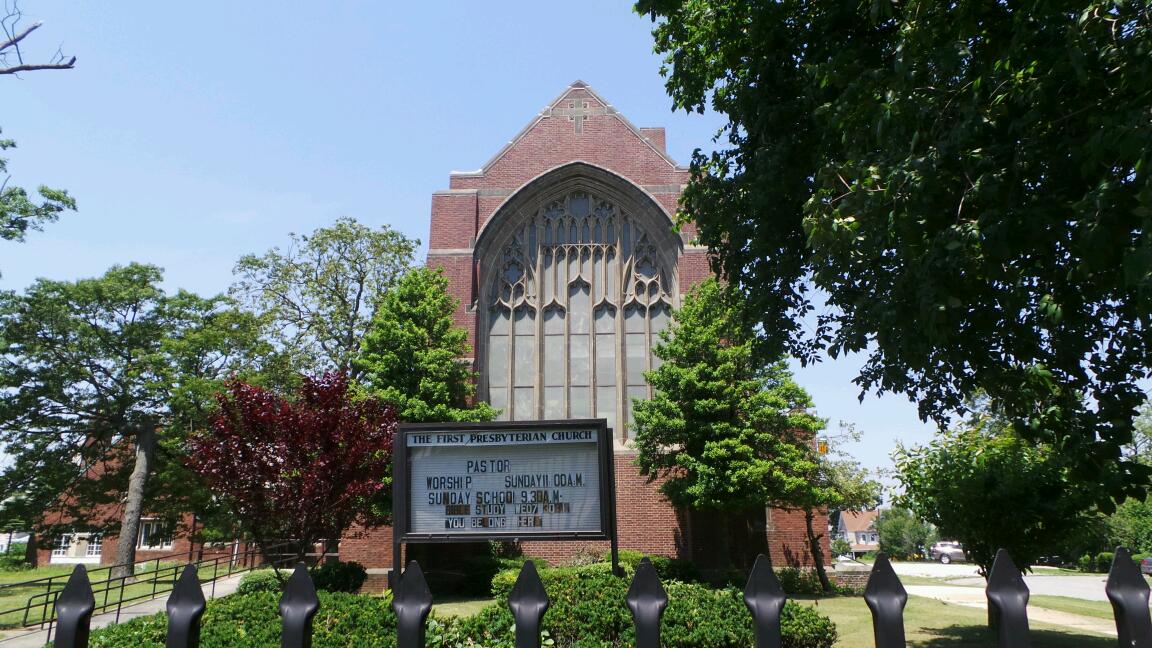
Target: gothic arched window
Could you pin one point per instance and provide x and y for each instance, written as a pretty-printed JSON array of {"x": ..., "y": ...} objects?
[{"x": 573, "y": 302}]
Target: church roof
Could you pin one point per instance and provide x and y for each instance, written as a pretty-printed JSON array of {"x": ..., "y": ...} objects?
[{"x": 573, "y": 103}]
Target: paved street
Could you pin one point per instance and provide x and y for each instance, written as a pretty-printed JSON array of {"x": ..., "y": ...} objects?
[{"x": 1044, "y": 581}]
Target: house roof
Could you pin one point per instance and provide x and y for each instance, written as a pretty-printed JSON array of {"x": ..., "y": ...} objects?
[{"x": 863, "y": 521}]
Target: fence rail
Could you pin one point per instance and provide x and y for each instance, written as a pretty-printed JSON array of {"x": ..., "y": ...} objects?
[
  {"x": 112, "y": 594},
  {"x": 884, "y": 594}
]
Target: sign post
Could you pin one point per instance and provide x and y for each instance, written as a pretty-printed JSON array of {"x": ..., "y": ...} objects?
[{"x": 512, "y": 481}]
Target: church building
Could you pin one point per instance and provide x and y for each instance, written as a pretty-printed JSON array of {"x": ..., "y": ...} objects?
[{"x": 566, "y": 261}]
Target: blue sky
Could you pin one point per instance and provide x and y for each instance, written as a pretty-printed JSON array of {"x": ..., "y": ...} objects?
[{"x": 194, "y": 133}]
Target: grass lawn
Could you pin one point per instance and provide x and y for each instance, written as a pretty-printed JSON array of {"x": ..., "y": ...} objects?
[
  {"x": 19, "y": 597},
  {"x": 1098, "y": 609},
  {"x": 460, "y": 607},
  {"x": 931, "y": 624}
]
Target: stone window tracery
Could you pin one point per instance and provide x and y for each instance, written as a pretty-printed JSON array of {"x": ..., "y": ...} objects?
[{"x": 575, "y": 300}]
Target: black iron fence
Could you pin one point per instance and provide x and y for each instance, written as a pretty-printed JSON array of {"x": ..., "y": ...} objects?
[{"x": 884, "y": 594}]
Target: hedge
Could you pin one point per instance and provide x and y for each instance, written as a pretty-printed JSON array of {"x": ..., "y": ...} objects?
[
  {"x": 252, "y": 621},
  {"x": 330, "y": 577},
  {"x": 588, "y": 610}
]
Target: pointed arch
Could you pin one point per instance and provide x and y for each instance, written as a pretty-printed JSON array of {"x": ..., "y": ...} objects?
[{"x": 577, "y": 276}]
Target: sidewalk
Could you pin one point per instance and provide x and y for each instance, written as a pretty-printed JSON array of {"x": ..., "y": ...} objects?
[
  {"x": 975, "y": 597},
  {"x": 38, "y": 638}
]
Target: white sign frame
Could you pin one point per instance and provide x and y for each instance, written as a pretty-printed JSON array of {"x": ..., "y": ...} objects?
[{"x": 418, "y": 445}]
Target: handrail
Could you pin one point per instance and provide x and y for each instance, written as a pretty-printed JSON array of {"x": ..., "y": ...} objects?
[{"x": 110, "y": 593}]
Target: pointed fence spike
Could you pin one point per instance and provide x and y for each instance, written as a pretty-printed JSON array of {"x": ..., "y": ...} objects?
[
  {"x": 412, "y": 602},
  {"x": 647, "y": 600},
  {"x": 185, "y": 607},
  {"x": 298, "y": 605},
  {"x": 886, "y": 598},
  {"x": 74, "y": 609},
  {"x": 528, "y": 602},
  {"x": 765, "y": 599},
  {"x": 1128, "y": 592},
  {"x": 1008, "y": 602}
]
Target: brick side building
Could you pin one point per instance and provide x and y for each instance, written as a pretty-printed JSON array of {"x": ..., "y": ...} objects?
[{"x": 563, "y": 254}]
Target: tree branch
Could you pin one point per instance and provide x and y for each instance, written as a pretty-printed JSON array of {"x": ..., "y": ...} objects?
[{"x": 19, "y": 37}]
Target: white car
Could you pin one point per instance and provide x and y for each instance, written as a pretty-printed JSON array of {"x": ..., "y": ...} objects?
[{"x": 946, "y": 551}]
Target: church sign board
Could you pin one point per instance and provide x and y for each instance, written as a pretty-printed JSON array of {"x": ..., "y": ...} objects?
[{"x": 530, "y": 480}]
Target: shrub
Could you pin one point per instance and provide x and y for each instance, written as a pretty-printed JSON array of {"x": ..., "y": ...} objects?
[
  {"x": 841, "y": 547},
  {"x": 1104, "y": 561},
  {"x": 588, "y": 610},
  {"x": 1086, "y": 563},
  {"x": 252, "y": 621},
  {"x": 13, "y": 558},
  {"x": 1099, "y": 563},
  {"x": 259, "y": 581},
  {"x": 340, "y": 577},
  {"x": 667, "y": 568},
  {"x": 799, "y": 582}
]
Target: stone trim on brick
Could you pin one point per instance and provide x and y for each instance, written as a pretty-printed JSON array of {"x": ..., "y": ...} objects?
[{"x": 546, "y": 113}]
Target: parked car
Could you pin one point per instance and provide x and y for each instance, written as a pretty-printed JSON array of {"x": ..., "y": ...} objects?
[
  {"x": 1146, "y": 565},
  {"x": 946, "y": 551}
]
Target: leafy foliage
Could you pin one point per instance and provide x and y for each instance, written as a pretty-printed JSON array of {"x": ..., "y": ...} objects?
[
  {"x": 302, "y": 469},
  {"x": 588, "y": 610},
  {"x": 726, "y": 432},
  {"x": 19, "y": 213},
  {"x": 1131, "y": 526},
  {"x": 320, "y": 294},
  {"x": 412, "y": 354},
  {"x": 841, "y": 547},
  {"x": 86, "y": 365},
  {"x": 252, "y": 621},
  {"x": 262, "y": 580},
  {"x": 959, "y": 478},
  {"x": 835, "y": 483},
  {"x": 964, "y": 184},
  {"x": 902, "y": 534},
  {"x": 339, "y": 576}
]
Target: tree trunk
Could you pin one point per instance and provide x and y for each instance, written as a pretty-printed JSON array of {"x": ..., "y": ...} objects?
[
  {"x": 134, "y": 504},
  {"x": 331, "y": 552},
  {"x": 30, "y": 555},
  {"x": 816, "y": 551}
]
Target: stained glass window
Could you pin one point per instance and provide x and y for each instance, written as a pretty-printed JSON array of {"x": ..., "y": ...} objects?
[{"x": 575, "y": 301}]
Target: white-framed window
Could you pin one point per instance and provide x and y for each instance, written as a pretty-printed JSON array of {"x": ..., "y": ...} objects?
[
  {"x": 63, "y": 545},
  {"x": 95, "y": 545},
  {"x": 572, "y": 304},
  {"x": 154, "y": 534}
]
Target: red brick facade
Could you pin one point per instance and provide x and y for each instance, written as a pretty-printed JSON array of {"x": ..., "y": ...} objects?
[{"x": 579, "y": 132}]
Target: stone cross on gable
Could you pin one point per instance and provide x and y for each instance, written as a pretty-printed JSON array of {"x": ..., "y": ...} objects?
[{"x": 576, "y": 111}]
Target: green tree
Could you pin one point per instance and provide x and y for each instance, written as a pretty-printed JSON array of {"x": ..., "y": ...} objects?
[
  {"x": 841, "y": 547},
  {"x": 1131, "y": 526},
  {"x": 18, "y": 212},
  {"x": 965, "y": 185},
  {"x": 959, "y": 478},
  {"x": 902, "y": 534},
  {"x": 723, "y": 431},
  {"x": 96, "y": 375},
  {"x": 413, "y": 354},
  {"x": 836, "y": 483},
  {"x": 320, "y": 294}
]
